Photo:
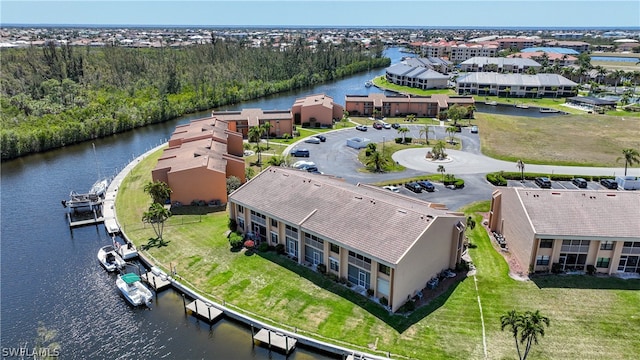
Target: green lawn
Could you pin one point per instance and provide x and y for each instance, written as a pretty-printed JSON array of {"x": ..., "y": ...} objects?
[
  {"x": 582, "y": 140},
  {"x": 590, "y": 317},
  {"x": 383, "y": 83}
]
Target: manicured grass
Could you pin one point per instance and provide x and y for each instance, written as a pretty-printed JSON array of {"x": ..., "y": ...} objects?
[
  {"x": 591, "y": 317},
  {"x": 582, "y": 140},
  {"x": 383, "y": 83}
]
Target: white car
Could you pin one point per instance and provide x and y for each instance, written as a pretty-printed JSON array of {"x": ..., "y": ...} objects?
[
  {"x": 303, "y": 164},
  {"x": 386, "y": 126},
  {"x": 395, "y": 189}
]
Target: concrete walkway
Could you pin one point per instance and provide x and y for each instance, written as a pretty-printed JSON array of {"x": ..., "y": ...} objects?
[{"x": 461, "y": 162}]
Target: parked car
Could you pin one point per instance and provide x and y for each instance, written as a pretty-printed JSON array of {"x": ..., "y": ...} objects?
[
  {"x": 386, "y": 125},
  {"x": 361, "y": 127},
  {"x": 427, "y": 185},
  {"x": 609, "y": 183},
  {"x": 474, "y": 129},
  {"x": 395, "y": 189},
  {"x": 321, "y": 137},
  {"x": 312, "y": 140},
  {"x": 377, "y": 126},
  {"x": 413, "y": 187},
  {"x": 579, "y": 182},
  {"x": 303, "y": 164},
  {"x": 543, "y": 182},
  {"x": 300, "y": 152},
  {"x": 395, "y": 126}
]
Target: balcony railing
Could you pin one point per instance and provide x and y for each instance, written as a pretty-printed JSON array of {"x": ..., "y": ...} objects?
[{"x": 575, "y": 248}]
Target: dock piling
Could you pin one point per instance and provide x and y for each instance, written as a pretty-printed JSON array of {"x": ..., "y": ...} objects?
[
  {"x": 253, "y": 340},
  {"x": 184, "y": 304}
]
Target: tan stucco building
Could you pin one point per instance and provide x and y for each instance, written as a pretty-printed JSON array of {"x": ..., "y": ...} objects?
[
  {"x": 401, "y": 105},
  {"x": 241, "y": 120},
  {"x": 378, "y": 240},
  {"x": 570, "y": 228},
  {"x": 316, "y": 111},
  {"x": 200, "y": 157}
]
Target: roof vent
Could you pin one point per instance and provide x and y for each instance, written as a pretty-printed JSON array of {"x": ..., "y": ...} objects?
[
  {"x": 611, "y": 194},
  {"x": 555, "y": 193},
  {"x": 358, "y": 197},
  {"x": 402, "y": 211},
  {"x": 318, "y": 185}
]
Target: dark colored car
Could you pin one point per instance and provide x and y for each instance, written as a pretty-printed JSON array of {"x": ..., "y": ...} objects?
[
  {"x": 413, "y": 187},
  {"x": 543, "y": 182},
  {"x": 321, "y": 137},
  {"x": 395, "y": 126},
  {"x": 579, "y": 182},
  {"x": 609, "y": 183},
  {"x": 427, "y": 186},
  {"x": 300, "y": 152}
]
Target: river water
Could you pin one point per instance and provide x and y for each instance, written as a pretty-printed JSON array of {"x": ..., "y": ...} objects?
[{"x": 50, "y": 274}]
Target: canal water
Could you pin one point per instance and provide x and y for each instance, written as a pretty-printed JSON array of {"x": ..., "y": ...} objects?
[{"x": 50, "y": 275}]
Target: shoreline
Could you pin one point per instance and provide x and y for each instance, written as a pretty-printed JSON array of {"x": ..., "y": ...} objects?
[{"x": 186, "y": 290}]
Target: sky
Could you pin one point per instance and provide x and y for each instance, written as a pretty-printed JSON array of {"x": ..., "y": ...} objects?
[{"x": 339, "y": 13}]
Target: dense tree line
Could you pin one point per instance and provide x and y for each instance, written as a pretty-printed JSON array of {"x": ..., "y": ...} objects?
[{"x": 54, "y": 96}]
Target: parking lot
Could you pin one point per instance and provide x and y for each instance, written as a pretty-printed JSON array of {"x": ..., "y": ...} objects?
[{"x": 559, "y": 185}]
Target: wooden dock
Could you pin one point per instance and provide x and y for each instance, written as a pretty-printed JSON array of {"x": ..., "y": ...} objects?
[
  {"x": 204, "y": 310},
  {"x": 276, "y": 339},
  {"x": 90, "y": 221},
  {"x": 156, "y": 282}
]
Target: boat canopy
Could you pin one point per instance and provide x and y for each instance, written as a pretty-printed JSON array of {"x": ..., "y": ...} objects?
[{"x": 130, "y": 278}]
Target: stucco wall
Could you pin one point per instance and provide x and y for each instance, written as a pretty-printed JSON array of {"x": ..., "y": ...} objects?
[
  {"x": 516, "y": 229},
  {"x": 197, "y": 184}
]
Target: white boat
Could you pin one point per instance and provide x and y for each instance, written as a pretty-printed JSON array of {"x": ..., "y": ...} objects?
[
  {"x": 549, "y": 110},
  {"x": 369, "y": 83},
  {"x": 90, "y": 199},
  {"x": 99, "y": 188},
  {"x": 522, "y": 106},
  {"x": 110, "y": 259},
  {"x": 134, "y": 290},
  {"x": 492, "y": 103},
  {"x": 127, "y": 251}
]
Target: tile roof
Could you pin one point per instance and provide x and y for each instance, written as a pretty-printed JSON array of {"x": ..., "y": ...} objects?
[
  {"x": 501, "y": 61},
  {"x": 363, "y": 218},
  {"x": 253, "y": 116},
  {"x": 588, "y": 213},
  {"x": 515, "y": 79}
]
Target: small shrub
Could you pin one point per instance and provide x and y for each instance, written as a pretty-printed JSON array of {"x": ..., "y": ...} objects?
[
  {"x": 384, "y": 301},
  {"x": 280, "y": 249},
  {"x": 591, "y": 270},
  {"x": 459, "y": 183},
  {"x": 370, "y": 292},
  {"x": 556, "y": 268},
  {"x": 322, "y": 268},
  {"x": 235, "y": 240},
  {"x": 263, "y": 247},
  {"x": 398, "y": 140},
  {"x": 472, "y": 245},
  {"x": 233, "y": 225}
]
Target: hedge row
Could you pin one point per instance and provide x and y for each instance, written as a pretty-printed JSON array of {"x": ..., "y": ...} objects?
[{"x": 500, "y": 178}]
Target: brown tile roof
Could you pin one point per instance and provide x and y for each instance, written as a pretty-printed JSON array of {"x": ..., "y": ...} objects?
[
  {"x": 592, "y": 213},
  {"x": 324, "y": 100},
  {"x": 253, "y": 116},
  {"x": 194, "y": 154},
  {"x": 378, "y": 223}
]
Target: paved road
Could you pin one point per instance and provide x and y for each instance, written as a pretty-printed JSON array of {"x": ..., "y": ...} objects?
[{"x": 334, "y": 157}]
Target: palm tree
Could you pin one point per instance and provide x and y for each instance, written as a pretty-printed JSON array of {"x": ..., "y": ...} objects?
[
  {"x": 512, "y": 320},
  {"x": 451, "y": 130},
  {"x": 532, "y": 325},
  {"x": 276, "y": 160},
  {"x": 345, "y": 118},
  {"x": 438, "y": 150},
  {"x": 266, "y": 128},
  {"x": 255, "y": 132},
  {"x": 441, "y": 170},
  {"x": 425, "y": 130},
  {"x": 158, "y": 190},
  {"x": 403, "y": 131},
  {"x": 630, "y": 156},
  {"x": 156, "y": 216},
  {"x": 376, "y": 160},
  {"x": 410, "y": 118},
  {"x": 525, "y": 328},
  {"x": 520, "y": 165}
]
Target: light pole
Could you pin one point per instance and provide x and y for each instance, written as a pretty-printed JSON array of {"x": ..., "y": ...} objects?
[{"x": 383, "y": 145}]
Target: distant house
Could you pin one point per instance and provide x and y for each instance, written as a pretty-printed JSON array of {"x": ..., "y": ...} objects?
[
  {"x": 417, "y": 77},
  {"x": 401, "y": 105},
  {"x": 516, "y": 85},
  {"x": 569, "y": 229},
  {"x": 382, "y": 242},
  {"x": 200, "y": 157},
  {"x": 316, "y": 111},
  {"x": 499, "y": 64},
  {"x": 592, "y": 103}
]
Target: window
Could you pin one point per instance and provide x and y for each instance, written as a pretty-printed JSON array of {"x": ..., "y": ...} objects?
[
  {"x": 335, "y": 248},
  {"x": 274, "y": 223},
  {"x": 602, "y": 262},
  {"x": 240, "y": 209},
  {"x": 359, "y": 260},
  {"x": 274, "y": 238},
  {"x": 606, "y": 245},
  {"x": 241, "y": 223},
  {"x": 542, "y": 260},
  {"x": 384, "y": 269},
  {"x": 334, "y": 264},
  {"x": 546, "y": 243}
]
